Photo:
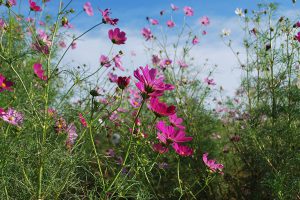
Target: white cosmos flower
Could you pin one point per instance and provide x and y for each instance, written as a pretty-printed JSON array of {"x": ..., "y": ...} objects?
[
  {"x": 239, "y": 12},
  {"x": 225, "y": 32}
]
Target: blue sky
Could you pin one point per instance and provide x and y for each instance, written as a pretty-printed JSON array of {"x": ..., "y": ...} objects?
[{"x": 132, "y": 15}]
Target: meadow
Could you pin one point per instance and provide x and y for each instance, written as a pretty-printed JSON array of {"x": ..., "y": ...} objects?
[{"x": 164, "y": 130}]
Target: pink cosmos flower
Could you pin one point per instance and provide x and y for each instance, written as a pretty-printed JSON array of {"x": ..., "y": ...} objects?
[
  {"x": 62, "y": 44},
  {"x": 112, "y": 77},
  {"x": 204, "y": 32},
  {"x": 173, "y": 7},
  {"x": 5, "y": 84},
  {"x": 106, "y": 18},
  {"x": 211, "y": 164},
  {"x": 41, "y": 23},
  {"x": 72, "y": 135},
  {"x": 188, "y": 11},
  {"x": 60, "y": 125},
  {"x": 209, "y": 81},
  {"x": 195, "y": 40},
  {"x": 38, "y": 70},
  {"x": 168, "y": 134},
  {"x": 148, "y": 84},
  {"x": 2, "y": 112},
  {"x": 161, "y": 109},
  {"x": 153, "y": 21},
  {"x": 170, "y": 23},
  {"x": 160, "y": 148},
  {"x": 123, "y": 82},
  {"x": 118, "y": 62},
  {"x": 297, "y": 37},
  {"x": 82, "y": 120},
  {"x": 182, "y": 64},
  {"x": 155, "y": 60},
  {"x": 176, "y": 121},
  {"x": 73, "y": 45},
  {"x": 34, "y": 7},
  {"x": 135, "y": 102},
  {"x": 104, "y": 61},
  {"x": 11, "y": 3},
  {"x": 204, "y": 21},
  {"x": 146, "y": 32},
  {"x": 42, "y": 42},
  {"x": 297, "y": 25},
  {"x": 2, "y": 23},
  {"x": 182, "y": 150},
  {"x": 117, "y": 36},
  {"x": 87, "y": 7},
  {"x": 163, "y": 64},
  {"x": 13, "y": 117}
]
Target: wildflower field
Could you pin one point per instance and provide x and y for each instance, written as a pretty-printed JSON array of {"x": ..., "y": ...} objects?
[{"x": 155, "y": 100}]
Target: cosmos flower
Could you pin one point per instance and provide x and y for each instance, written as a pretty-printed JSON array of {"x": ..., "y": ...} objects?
[
  {"x": 173, "y": 7},
  {"x": 160, "y": 148},
  {"x": 106, "y": 18},
  {"x": 170, "y": 23},
  {"x": 123, "y": 82},
  {"x": 209, "y": 81},
  {"x": 116, "y": 36},
  {"x": 153, "y": 21},
  {"x": 118, "y": 62},
  {"x": 195, "y": 40},
  {"x": 176, "y": 121},
  {"x": 34, "y": 7},
  {"x": 72, "y": 135},
  {"x": 239, "y": 12},
  {"x": 5, "y": 84},
  {"x": 148, "y": 84},
  {"x": 297, "y": 37},
  {"x": 60, "y": 125},
  {"x": 12, "y": 116},
  {"x": 161, "y": 109},
  {"x": 146, "y": 32},
  {"x": 87, "y": 7},
  {"x": 182, "y": 150},
  {"x": 168, "y": 134},
  {"x": 38, "y": 70},
  {"x": 211, "y": 164},
  {"x": 182, "y": 64},
  {"x": 204, "y": 21},
  {"x": 112, "y": 77},
  {"x": 104, "y": 61},
  {"x": 188, "y": 11},
  {"x": 82, "y": 120}
]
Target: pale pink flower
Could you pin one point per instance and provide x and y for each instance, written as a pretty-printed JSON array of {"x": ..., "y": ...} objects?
[
  {"x": 170, "y": 23},
  {"x": 87, "y": 7},
  {"x": 118, "y": 62},
  {"x": 188, "y": 11},
  {"x": 104, "y": 61},
  {"x": 146, "y": 32},
  {"x": 173, "y": 7},
  {"x": 153, "y": 21},
  {"x": 204, "y": 21},
  {"x": 195, "y": 40}
]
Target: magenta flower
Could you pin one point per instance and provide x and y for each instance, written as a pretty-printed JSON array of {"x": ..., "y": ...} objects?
[
  {"x": 104, "y": 61},
  {"x": 297, "y": 24},
  {"x": 62, "y": 44},
  {"x": 72, "y": 135},
  {"x": 209, "y": 81},
  {"x": 204, "y": 21},
  {"x": 123, "y": 82},
  {"x": 188, "y": 11},
  {"x": 87, "y": 7},
  {"x": 297, "y": 37},
  {"x": 155, "y": 60},
  {"x": 211, "y": 164},
  {"x": 182, "y": 64},
  {"x": 148, "y": 84},
  {"x": 82, "y": 120},
  {"x": 146, "y": 32},
  {"x": 2, "y": 23},
  {"x": 195, "y": 40},
  {"x": 168, "y": 134},
  {"x": 38, "y": 70},
  {"x": 106, "y": 18},
  {"x": 182, "y": 150},
  {"x": 173, "y": 7},
  {"x": 118, "y": 62},
  {"x": 5, "y": 84},
  {"x": 112, "y": 77},
  {"x": 34, "y": 7},
  {"x": 11, "y": 3},
  {"x": 13, "y": 117},
  {"x": 153, "y": 21},
  {"x": 176, "y": 121},
  {"x": 170, "y": 23},
  {"x": 161, "y": 109},
  {"x": 117, "y": 36},
  {"x": 160, "y": 148}
]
